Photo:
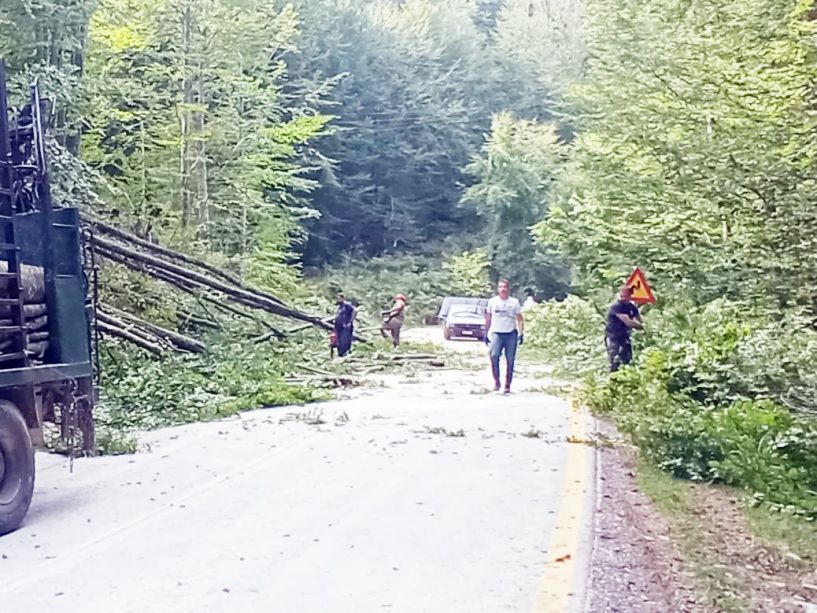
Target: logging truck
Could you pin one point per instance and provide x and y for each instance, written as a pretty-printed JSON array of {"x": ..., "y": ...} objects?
[{"x": 46, "y": 353}]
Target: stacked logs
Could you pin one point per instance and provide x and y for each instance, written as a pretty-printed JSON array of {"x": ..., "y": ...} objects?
[{"x": 34, "y": 310}]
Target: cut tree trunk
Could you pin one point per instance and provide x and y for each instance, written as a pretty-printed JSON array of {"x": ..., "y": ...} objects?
[
  {"x": 187, "y": 279},
  {"x": 108, "y": 330},
  {"x": 178, "y": 340},
  {"x": 157, "y": 249},
  {"x": 33, "y": 290}
]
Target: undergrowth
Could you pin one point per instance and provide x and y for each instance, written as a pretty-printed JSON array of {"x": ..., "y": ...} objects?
[
  {"x": 425, "y": 280},
  {"x": 142, "y": 392},
  {"x": 716, "y": 393}
]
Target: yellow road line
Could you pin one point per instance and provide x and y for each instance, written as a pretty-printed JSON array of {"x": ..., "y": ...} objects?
[{"x": 558, "y": 580}]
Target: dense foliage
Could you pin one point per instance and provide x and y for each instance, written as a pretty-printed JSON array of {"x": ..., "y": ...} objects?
[
  {"x": 519, "y": 163},
  {"x": 694, "y": 151},
  {"x": 412, "y": 87},
  {"x": 427, "y": 147},
  {"x": 700, "y": 401},
  {"x": 270, "y": 132},
  {"x": 690, "y": 151},
  {"x": 372, "y": 284},
  {"x": 193, "y": 135},
  {"x": 234, "y": 376}
]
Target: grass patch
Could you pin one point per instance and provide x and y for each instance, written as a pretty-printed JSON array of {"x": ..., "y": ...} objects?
[
  {"x": 785, "y": 532},
  {"x": 675, "y": 499}
]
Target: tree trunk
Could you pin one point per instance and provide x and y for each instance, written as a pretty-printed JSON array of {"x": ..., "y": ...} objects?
[
  {"x": 179, "y": 340},
  {"x": 110, "y": 330},
  {"x": 184, "y": 118}
]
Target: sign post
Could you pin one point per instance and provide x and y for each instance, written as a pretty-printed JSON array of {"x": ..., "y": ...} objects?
[{"x": 642, "y": 292}]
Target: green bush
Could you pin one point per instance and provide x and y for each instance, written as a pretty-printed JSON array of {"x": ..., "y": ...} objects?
[
  {"x": 726, "y": 351},
  {"x": 710, "y": 396},
  {"x": 756, "y": 444},
  {"x": 568, "y": 334}
]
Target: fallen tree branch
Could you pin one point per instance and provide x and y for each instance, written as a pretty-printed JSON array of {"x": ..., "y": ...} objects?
[
  {"x": 197, "y": 320},
  {"x": 180, "y": 341},
  {"x": 190, "y": 281},
  {"x": 109, "y": 330},
  {"x": 133, "y": 329},
  {"x": 179, "y": 257},
  {"x": 327, "y": 320},
  {"x": 186, "y": 277},
  {"x": 109, "y": 230}
]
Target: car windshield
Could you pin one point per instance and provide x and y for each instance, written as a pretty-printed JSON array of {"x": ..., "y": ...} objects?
[{"x": 465, "y": 310}]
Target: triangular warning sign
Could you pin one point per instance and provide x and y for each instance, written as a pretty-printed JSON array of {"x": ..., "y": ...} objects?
[{"x": 642, "y": 292}]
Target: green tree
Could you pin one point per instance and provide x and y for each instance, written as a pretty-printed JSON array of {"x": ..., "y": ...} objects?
[
  {"x": 469, "y": 273},
  {"x": 413, "y": 86},
  {"x": 696, "y": 150},
  {"x": 544, "y": 38},
  {"x": 518, "y": 165},
  {"x": 187, "y": 118},
  {"x": 46, "y": 39}
]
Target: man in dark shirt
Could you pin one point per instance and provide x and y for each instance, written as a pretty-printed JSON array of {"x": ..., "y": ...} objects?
[
  {"x": 344, "y": 325},
  {"x": 622, "y": 317}
]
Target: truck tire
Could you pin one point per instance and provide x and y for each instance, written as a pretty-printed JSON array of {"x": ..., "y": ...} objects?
[{"x": 16, "y": 467}]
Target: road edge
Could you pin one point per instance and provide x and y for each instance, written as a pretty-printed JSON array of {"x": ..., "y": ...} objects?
[{"x": 563, "y": 583}]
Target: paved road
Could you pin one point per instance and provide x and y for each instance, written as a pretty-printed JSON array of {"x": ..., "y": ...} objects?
[{"x": 377, "y": 509}]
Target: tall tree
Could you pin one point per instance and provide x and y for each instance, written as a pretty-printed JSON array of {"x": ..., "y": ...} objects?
[
  {"x": 696, "y": 149},
  {"x": 545, "y": 38},
  {"x": 413, "y": 87},
  {"x": 188, "y": 121},
  {"x": 519, "y": 163},
  {"x": 46, "y": 39}
]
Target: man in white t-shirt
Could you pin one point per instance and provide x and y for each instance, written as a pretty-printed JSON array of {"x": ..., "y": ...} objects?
[{"x": 505, "y": 326}]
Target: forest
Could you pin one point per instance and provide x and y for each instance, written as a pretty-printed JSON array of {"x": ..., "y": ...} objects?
[{"x": 432, "y": 146}]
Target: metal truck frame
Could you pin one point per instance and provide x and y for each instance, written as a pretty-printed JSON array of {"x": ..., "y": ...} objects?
[{"x": 51, "y": 380}]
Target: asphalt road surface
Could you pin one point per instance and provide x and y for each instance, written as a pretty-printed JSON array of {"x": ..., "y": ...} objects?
[{"x": 426, "y": 494}]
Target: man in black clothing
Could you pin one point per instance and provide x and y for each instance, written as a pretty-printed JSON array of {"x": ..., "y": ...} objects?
[
  {"x": 344, "y": 325},
  {"x": 622, "y": 317}
]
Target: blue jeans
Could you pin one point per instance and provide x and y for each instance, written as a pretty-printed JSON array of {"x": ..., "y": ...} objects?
[{"x": 507, "y": 342}]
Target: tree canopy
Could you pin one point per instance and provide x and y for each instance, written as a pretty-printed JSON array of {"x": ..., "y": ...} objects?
[{"x": 695, "y": 150}]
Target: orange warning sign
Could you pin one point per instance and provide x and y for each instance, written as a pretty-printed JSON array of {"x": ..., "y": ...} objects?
[{"x": 642, "y": 292}]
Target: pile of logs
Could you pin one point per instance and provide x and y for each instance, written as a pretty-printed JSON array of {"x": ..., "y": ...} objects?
[
  {"x": 143, "y": 334},
  {"x": 34, "y": 310},
  {"x": 209, "y": 284}
]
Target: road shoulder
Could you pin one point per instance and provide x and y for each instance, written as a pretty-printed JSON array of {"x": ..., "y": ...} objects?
[
  {"x": 663, "y": 544},
  {"x": 635, "y": 565}
]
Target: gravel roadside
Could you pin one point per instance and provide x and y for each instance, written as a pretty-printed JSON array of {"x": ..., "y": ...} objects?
[{"x": 635, "y": 565}]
